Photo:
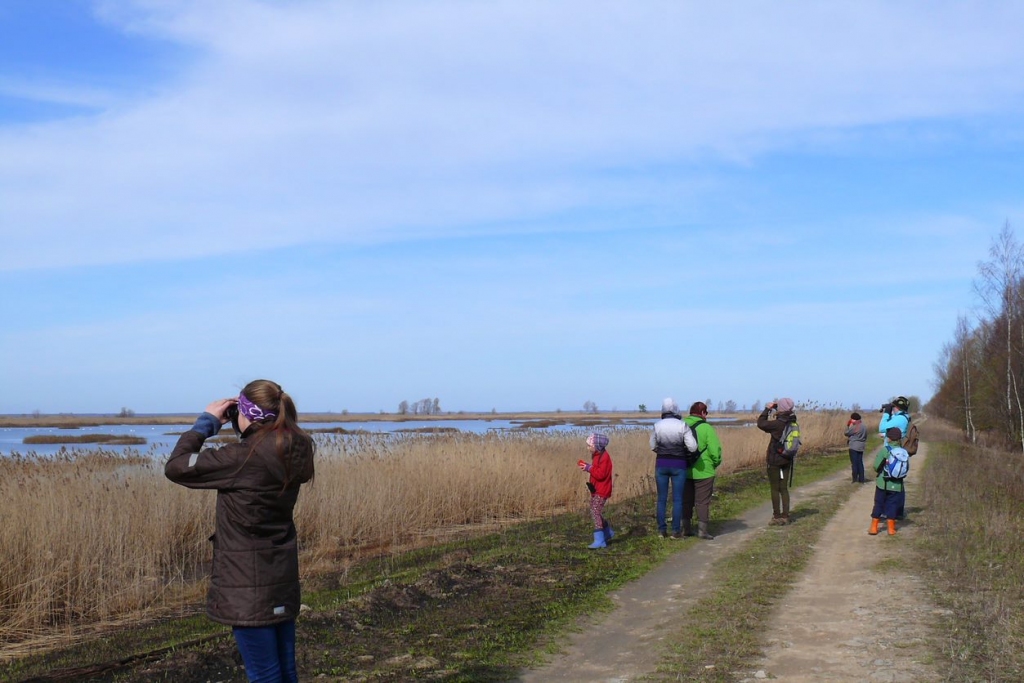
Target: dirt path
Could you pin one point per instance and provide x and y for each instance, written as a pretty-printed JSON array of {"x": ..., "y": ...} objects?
[
  {"x": 835, "y": 626},
  {"x": 830, "y": 627}
]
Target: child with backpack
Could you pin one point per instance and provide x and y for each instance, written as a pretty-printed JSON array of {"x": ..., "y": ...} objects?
[
  {"x": 600, "y": 485},
  {"x": 891, "y": 464}
]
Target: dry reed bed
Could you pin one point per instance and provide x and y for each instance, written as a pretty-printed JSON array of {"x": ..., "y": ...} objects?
[{"x": 104, "y": 536}]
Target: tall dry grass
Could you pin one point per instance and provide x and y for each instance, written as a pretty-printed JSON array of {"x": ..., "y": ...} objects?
[
  {"x": 92, "y": 538},
  {"x": 970, "y": 515},
  {"x": 103, "y": 537}
]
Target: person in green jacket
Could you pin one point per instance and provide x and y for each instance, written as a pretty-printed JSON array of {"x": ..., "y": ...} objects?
[{"x": 700, "y": 481}]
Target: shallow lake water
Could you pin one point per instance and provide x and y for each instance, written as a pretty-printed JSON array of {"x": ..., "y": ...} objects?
[{"x": 160, "y": 439}]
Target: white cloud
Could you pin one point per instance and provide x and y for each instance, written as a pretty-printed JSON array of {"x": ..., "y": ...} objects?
[{"x": 323, "y": 121}]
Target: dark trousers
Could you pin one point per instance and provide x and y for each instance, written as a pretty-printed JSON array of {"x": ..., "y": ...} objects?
[
  {"x": 857, "y": 465},
  {"x": 697, "y": 493},
  {"x": 778, "y": 479},
  {"x": 887, "y": 503}
]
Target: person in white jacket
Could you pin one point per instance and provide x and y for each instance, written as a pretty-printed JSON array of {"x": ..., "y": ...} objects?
[{"x": 671, "y": 440}]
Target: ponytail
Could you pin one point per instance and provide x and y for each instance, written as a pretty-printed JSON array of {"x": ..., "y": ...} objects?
[{"x": 290, "y": 440}]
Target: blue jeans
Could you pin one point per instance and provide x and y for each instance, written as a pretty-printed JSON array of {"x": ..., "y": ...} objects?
[
  {"x": 268, "y": 652},
  {"x": 662, "y": 477}
]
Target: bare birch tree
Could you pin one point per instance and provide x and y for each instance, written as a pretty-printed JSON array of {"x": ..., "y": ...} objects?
[
  {"x": 999, "y": 287},
  {"x": 962, "y": 345}
]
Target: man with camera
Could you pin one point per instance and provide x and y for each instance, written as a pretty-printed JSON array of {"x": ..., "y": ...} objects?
[{"x": 896, "y": 414}]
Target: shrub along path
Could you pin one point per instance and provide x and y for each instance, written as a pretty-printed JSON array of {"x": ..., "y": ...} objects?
[{"x": 854, "y": 614}]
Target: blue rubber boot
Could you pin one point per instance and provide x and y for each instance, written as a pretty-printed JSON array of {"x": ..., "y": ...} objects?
[
  {"x": 609, "y": 533},
  {"x": 598, "y": 540}
]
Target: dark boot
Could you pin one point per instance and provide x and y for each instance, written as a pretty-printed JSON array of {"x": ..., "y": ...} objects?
[
  {"x": 702, "y": 531},
  {"x": 687, "y": 527},
  {"x": 609, "y": 533}
]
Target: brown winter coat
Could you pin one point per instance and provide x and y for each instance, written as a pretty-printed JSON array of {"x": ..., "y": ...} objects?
[
  {"x": 775, "y": 428},
  {"x": 255, "y": 575}
]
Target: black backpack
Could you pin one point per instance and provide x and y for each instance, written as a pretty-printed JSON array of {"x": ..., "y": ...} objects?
[{"x": 692, "y": 457}]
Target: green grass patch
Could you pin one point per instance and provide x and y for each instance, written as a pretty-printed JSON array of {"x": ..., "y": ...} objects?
[
  {"x": 94, "y": 657},
  {"x": 894, "y": 564}
]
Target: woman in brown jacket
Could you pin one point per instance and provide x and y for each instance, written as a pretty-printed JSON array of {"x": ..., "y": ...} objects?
[
  {"x": 779, "y": 466},
  {"x": 254, "y": 583}
]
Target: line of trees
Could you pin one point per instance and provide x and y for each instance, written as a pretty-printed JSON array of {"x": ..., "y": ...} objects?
[
  {"x": 979, "y": 376},
  {"x": 424, "y": 406}
]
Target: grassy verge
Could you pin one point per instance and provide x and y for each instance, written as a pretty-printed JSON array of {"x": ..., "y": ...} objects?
[
  {"x": 970, "y": 549},
  {"x": 478, "y": 609}
]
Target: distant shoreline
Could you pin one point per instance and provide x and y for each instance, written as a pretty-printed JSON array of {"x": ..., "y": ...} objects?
[{"x": 575, "y": 417}]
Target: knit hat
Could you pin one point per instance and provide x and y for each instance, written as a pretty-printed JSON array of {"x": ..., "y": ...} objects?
[
  {"x": 893, "y": 434},
  {"x": 597, "y": 441},
  {"x": 901, "y": 402},
  {"x": 784, "y": 404},
  {"x": 669, "y": 405}
]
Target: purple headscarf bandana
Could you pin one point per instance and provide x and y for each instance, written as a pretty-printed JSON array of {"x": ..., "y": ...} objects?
[{"x": 252, "y": 411}]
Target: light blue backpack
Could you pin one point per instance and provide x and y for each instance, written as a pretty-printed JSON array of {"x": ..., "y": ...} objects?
[{"x": 897, "y": 464}]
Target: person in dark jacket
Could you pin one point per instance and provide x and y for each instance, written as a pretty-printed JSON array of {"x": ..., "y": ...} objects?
[
  {"x": 857, "y": 438},
  {"x": 779, "y": 466},
  {"x": 254, "y": 583}
]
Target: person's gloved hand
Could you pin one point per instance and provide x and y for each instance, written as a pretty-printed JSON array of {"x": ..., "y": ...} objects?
[{"x": 583, "y": 465}]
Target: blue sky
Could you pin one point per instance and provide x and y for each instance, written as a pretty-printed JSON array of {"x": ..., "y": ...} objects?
[{"x": 511, "y": 205}]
